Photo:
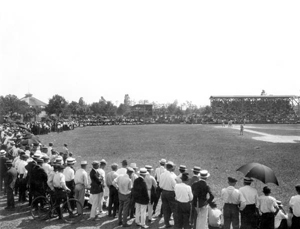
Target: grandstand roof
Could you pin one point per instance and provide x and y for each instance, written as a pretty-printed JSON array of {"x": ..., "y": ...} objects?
[{"x": 253, "y": 96}]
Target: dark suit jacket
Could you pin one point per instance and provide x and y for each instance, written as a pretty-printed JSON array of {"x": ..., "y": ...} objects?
[
  {"x": 200, "y": 190},
  {"x": 39, "y": 178},
  {"x": 29, "y": 167},
  {"x": 139, "y": 191},
  {"x": 193, "y": 180},
  {"x": 96, "y": 185}
]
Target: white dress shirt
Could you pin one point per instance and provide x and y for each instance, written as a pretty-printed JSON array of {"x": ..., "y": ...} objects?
[
  {"x": 121, "y": 171},
  {"x": 167, "y": 181},
  {"x": 267, "y": 204},
  {"x": 21, "y": 168},
  {"x": 158, "y": 171},
  {"x": 150, "y": 181},
  {"x": 81, "y": 177},
  {"x": 295, "y": 205},
  {"x": 250, "y": 195},
  {"x": 231, "y": 195},
  {"x": 47, "y": 167},
  {"x": 59, "y": 181},
  {"x": 123, "y": 183},
  {"x": 69, "y": 173},
  {"x": 183, "y": 193}
]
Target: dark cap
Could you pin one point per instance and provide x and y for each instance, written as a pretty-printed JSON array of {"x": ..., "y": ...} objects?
[
  {"x": 266, "y": 190},
  {"x": 232, "y": 180},
  {"x": 124, "y": 162}
]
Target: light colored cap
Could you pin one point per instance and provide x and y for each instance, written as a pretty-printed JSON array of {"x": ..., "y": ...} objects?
[
  {"x": 143, "y": 171},
  {"x": 204, "y": 174},
  {"x": 103, "y": 161},
  {"x": 83, "y": 163},
  {"x": 148, "y": 167},
  {"x": 170, "y": 163},
  {"x": 133, "y": 165},
  {"x": 163, "y": 161},
  {"x": 71, "y": 160}
]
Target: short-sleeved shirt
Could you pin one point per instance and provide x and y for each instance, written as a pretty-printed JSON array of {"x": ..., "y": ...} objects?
[
  {"x": 295, "y": 205},
  {"x": 267, "y": 204}
]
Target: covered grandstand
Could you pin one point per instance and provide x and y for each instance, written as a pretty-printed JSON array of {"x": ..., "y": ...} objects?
[{"x": 256, "y": 109}]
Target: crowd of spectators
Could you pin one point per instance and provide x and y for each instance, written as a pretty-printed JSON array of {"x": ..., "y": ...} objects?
[{"x": 255, "y": 111}]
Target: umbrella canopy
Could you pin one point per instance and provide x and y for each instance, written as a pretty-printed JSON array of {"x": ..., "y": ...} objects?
[
  {"x": 260, "y": 172},
  {"x": 24, "y": 127},
  {"x": 29, "y": 141}
]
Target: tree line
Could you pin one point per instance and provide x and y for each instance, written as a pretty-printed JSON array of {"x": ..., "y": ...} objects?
[{"x": 10, "y": 105}]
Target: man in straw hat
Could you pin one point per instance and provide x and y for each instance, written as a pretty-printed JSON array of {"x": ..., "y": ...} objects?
[
  {"x": 182, "y": 169},
  {"x": 81, "y": 182},
  {"x": 249, "y": 216},
  {"x": 295, "y": 207},
  {"x": 200, "y": 191},
  {"x": 123, "y": 184},
  {"x": 233, "y": 201},
  {"x": 134, "y": 176},
  {"x": 60, "y": 187},
  {"x": 141, "y": 198},
  {"x": 113, "y": 203},
  {"x": 69, "y": 173},
  {"x": 10, "y": 180},
  {"x": 167, "y": 184},
  {"x": 158, "y": 171},
  {"x": 183, "y": 195},
  {"x": 196, "y": 170},
  {"x": 38, "y": 179},
  {"x": 29, "y": 167},
  {"x": 151, "y": 189}
]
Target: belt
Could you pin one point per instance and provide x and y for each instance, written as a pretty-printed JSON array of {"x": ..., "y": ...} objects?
[
  {"x": 79, "y": 183},
  {"x": 167, "y": 190},
  {"x": 231, "y": 204}
]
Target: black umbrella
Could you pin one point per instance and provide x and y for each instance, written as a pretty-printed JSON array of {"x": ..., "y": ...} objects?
[{"x": 260, "y": 172}]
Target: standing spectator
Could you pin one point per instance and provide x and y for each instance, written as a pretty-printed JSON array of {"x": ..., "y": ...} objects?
[
  {"x": 249, "y": 216},
  {"x": 123, "y": 170},
  {"x": 158, "y": 171},
  {"x": 96, "y": 188},
  {"x": 123, "y": 184},
  {"x": 81, "y": 183},
  {"x": 196, "y": 170},
  {"x": 60, "y": 187},
  {"x": 69, "y": 173},
  {"x": 214, "y": 216},
  {"x": 113, "y": 192},
  {"x": 46, "y": 166},
  {"x": 39, "y": 179},
  {"x": 182, "y": 169},
  {"x": 183, "y": 195},
  {"x": 3, "y": 169},
  {"x": 141, "y": 198},
  {"x": 22, "y": 174},
  {"x": 267, "y": 206},
  {"x": 102, "y": 174},
  {"x": 295, "y": 207},
  {"x": 151, "y": 189},
  {"x": 280, "y": 217},
  {"x": 167, "y": 184},
  {"x": 201, "y": 191},
  {"x": 233, "y": 202},
  {"x": 11, "y": 177},
  {"x": 134, "y": 176}
]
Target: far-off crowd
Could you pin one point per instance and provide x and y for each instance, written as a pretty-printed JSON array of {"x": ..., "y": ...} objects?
[{"x": 30, "y": 169}]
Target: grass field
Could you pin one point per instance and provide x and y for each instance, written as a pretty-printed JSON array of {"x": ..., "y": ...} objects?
[{"x": 219, "y": 150}]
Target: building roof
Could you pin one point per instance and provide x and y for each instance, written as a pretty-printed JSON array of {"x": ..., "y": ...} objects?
[
  {"x": 253, "y": 96},
  {"x": 34, "y": 102}
]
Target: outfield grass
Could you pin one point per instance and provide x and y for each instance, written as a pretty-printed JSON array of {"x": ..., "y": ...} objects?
[{"x": 219, "y": 150}]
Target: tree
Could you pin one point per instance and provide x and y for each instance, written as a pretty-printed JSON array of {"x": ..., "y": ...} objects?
[
  {"x": 263, "y": 93},
  {"x": 57, "y": 105},
  {"x": 172, "y": 107},
  {"x": 10, "y": 104}
]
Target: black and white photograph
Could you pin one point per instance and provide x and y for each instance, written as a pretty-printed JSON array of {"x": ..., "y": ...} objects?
[{"x": 149, "y": 114}]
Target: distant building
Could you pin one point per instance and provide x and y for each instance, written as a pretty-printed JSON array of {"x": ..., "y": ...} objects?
[
  {"x": 142, "y": 110},
  {"x": 35, "y": 103}
]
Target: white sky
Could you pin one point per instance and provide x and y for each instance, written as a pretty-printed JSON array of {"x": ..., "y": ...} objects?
[{"x": 154, "y": 50}]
